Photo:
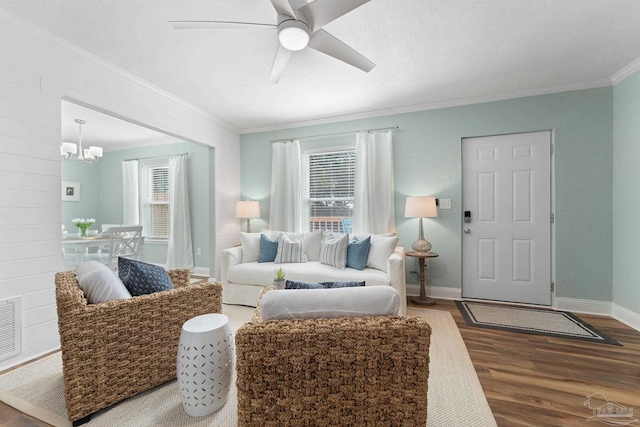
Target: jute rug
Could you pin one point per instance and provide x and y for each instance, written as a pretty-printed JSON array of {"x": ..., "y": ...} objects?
[
  {"x": 455, "y": 395},
  {"x": 561, "y": 324}
]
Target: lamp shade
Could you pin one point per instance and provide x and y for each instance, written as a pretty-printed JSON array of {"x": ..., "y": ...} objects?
[
  {"x": 420, "y": 207},
  {"x": 69, "y": 148},
  {"x": 95, "y": 151},
  {"x": 247, "y": 209}
]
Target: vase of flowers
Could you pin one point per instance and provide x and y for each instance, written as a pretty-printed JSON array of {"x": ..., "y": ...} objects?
[
  {"x": 83, "y": 225},
  {"x": 278, "y": 278}
]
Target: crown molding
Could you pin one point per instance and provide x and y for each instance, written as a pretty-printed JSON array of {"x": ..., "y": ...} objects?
[
  {"x": 432, "y": 106},
  {"x": 30, "y": 30},
  {"x": 626, "y": 71}
]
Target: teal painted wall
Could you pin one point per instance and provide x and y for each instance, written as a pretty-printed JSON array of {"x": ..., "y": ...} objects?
[
  {"x": 87, "y": 207},
  {"x": 104, "y": 182},
  {"x": 427, "y": 161},
  {"x": 626, "y": 202}
]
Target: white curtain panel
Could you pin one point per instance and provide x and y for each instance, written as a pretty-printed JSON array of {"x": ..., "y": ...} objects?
[
  {"x": 374, "y": 210},
  {"x": 131, "y": 198},
  {"x": 286, "y": 187},
  {"x": 179, "y": 251}
]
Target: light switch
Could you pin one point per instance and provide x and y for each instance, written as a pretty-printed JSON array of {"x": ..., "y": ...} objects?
[{"x": 445, "y": 203}]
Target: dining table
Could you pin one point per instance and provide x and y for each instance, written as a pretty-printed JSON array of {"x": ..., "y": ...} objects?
[{"x": 73, "y": 243}]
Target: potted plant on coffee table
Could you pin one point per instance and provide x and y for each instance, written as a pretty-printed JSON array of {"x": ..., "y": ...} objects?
[{"x": 278, "y": 278}]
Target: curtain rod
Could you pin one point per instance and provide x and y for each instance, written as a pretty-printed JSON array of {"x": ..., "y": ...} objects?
[
  {"x": 333, "y": 134},
  {"x": 156, "y": 157}
]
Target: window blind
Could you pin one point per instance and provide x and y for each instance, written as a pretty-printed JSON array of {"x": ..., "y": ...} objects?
[
  {"x": 330, "y": 181},
  {"x": 155, "y": 201}
]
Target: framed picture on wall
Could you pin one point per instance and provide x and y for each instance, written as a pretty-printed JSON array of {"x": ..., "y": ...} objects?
[{"x": 70, "y": 191}]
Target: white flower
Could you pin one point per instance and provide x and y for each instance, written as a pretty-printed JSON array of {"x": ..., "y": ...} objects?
[{"x": 82, "y": 223}]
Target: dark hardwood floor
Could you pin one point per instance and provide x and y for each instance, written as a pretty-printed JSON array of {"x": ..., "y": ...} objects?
[
  {"x": 532, "y": 380},
  {"x": 529, "y": 380}
]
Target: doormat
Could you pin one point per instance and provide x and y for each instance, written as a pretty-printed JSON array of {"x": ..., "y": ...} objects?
[{"x": 560, "y": 324}]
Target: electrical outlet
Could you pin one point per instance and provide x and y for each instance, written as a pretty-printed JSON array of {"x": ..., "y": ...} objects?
[
  {"x": 199, "y": 251},
  {"x": 445, "y": 203}
]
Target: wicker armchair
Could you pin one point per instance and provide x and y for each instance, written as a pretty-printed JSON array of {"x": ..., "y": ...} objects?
[
  {"x": 114, "y": 350},
  {"x": 329, "y": 372}
]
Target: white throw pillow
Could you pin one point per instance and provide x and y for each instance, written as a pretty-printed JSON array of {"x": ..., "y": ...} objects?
[
  {"x": 99, "y": 283},
  {"x": 250, "y": 246},
  {"x": 312, "y": 240},
  {"x": 333, "y": 250},
  {"x": 290, "y": 250},
  {"x": 358, "y": 301},
  {"x": 380, "y": 250},
  {"x": 313, "y": 243}
]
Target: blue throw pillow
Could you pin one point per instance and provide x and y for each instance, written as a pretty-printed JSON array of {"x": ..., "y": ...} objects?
[
  {"x": 331, "y": 285},
  {"x": 268, "y": 249},
  {"x": 358, "y": 252},
  {"x": 142, "y": 278},
  {"x": 290, "y": 284}
]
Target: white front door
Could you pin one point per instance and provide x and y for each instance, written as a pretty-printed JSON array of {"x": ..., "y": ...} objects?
[{"x": 506, "y": 202}]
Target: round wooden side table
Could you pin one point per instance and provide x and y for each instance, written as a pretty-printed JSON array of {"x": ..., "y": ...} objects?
[{"x": 423, "y": 258}]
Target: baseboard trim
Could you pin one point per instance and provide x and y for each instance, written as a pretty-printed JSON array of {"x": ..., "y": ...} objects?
[
  {"x": 435, "y": 292},
  {"x": 575, "y": 305},
  {"x": 626, "y": 316},
  {"x": 201, "y": 271}
]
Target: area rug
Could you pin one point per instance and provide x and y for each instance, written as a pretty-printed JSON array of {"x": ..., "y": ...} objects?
[
  {"x": 561, "y": 324},
  {"x": 455, "y": 396}
]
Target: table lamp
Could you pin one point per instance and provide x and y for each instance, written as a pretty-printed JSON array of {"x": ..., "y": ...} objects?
[
  {"x": 421, "y": 207},
  {"x": 247, "y": 209}
]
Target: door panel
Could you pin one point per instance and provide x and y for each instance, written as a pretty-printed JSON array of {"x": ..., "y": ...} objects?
[{"x": 507, "y": 188}]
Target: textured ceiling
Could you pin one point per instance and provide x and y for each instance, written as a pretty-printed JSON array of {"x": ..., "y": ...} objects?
[
  {"x": 106, "y": 131},
  {"x": 426, "y": 51}
]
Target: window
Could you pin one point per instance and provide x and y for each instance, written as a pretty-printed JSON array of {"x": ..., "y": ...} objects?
[
  {"x": 330, "y": 179},
  {"x": 155, "y": 201}
]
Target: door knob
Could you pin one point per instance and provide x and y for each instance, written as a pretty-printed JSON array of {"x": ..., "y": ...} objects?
[{"x": 467, "y": 231}]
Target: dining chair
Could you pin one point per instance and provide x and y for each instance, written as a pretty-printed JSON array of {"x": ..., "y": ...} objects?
[
  {"x": 105, "y": 227},
  {"x": 123, "y": 242}
]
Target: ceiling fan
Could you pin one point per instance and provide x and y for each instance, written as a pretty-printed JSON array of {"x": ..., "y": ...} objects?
[{"x": 297, "y": 29}]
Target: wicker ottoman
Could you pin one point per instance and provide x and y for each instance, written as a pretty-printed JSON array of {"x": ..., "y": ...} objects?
[{"x": 205, "y": 364}]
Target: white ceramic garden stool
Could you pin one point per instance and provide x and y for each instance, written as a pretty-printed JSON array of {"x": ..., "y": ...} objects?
[{"x": 205, "y": 364}]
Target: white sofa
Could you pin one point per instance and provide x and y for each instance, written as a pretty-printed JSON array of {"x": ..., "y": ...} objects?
[{"x": 243, "y": 282}]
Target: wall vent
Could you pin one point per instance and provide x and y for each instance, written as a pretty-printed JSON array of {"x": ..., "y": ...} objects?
[{"x": 10, "y": 327}]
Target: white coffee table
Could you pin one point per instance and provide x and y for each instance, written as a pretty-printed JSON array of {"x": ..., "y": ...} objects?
[{"x": 205, "y": 364}]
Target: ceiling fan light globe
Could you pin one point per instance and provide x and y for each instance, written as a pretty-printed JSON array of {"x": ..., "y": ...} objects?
[{"x": 293, "y": 35}]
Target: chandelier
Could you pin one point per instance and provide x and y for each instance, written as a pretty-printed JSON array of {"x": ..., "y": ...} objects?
[{"x": 71, "y": 151}]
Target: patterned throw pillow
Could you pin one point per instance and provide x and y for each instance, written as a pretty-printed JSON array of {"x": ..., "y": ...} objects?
[
  {"x": 334, "y": 249},
  {"x": 290, "y": 249},
  {"x": 290, "y": 284},
  {"x": 333, "y": 285},
  {"x": 358, "y": 252},
  {"x": 268, "y": 249},
  {"x": 142, "y": 278}
]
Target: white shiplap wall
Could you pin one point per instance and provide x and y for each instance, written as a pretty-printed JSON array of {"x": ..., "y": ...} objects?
[{"x": 37, "y": 71}]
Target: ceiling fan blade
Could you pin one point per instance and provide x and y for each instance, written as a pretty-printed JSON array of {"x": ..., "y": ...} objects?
[
  {"x": 329, "y": 45},
  {"x": 213, "y": 25},
  {"x": 279, "y": 64},
  {"x": 283, "y": 7},
  {"x": 320, "y": 12}
]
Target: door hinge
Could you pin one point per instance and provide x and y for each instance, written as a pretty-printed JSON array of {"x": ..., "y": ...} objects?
[
  {"x": 553, "y": 286},
  {"x": 551, "y": 149},
  {"x": 552, "y": 218}
]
